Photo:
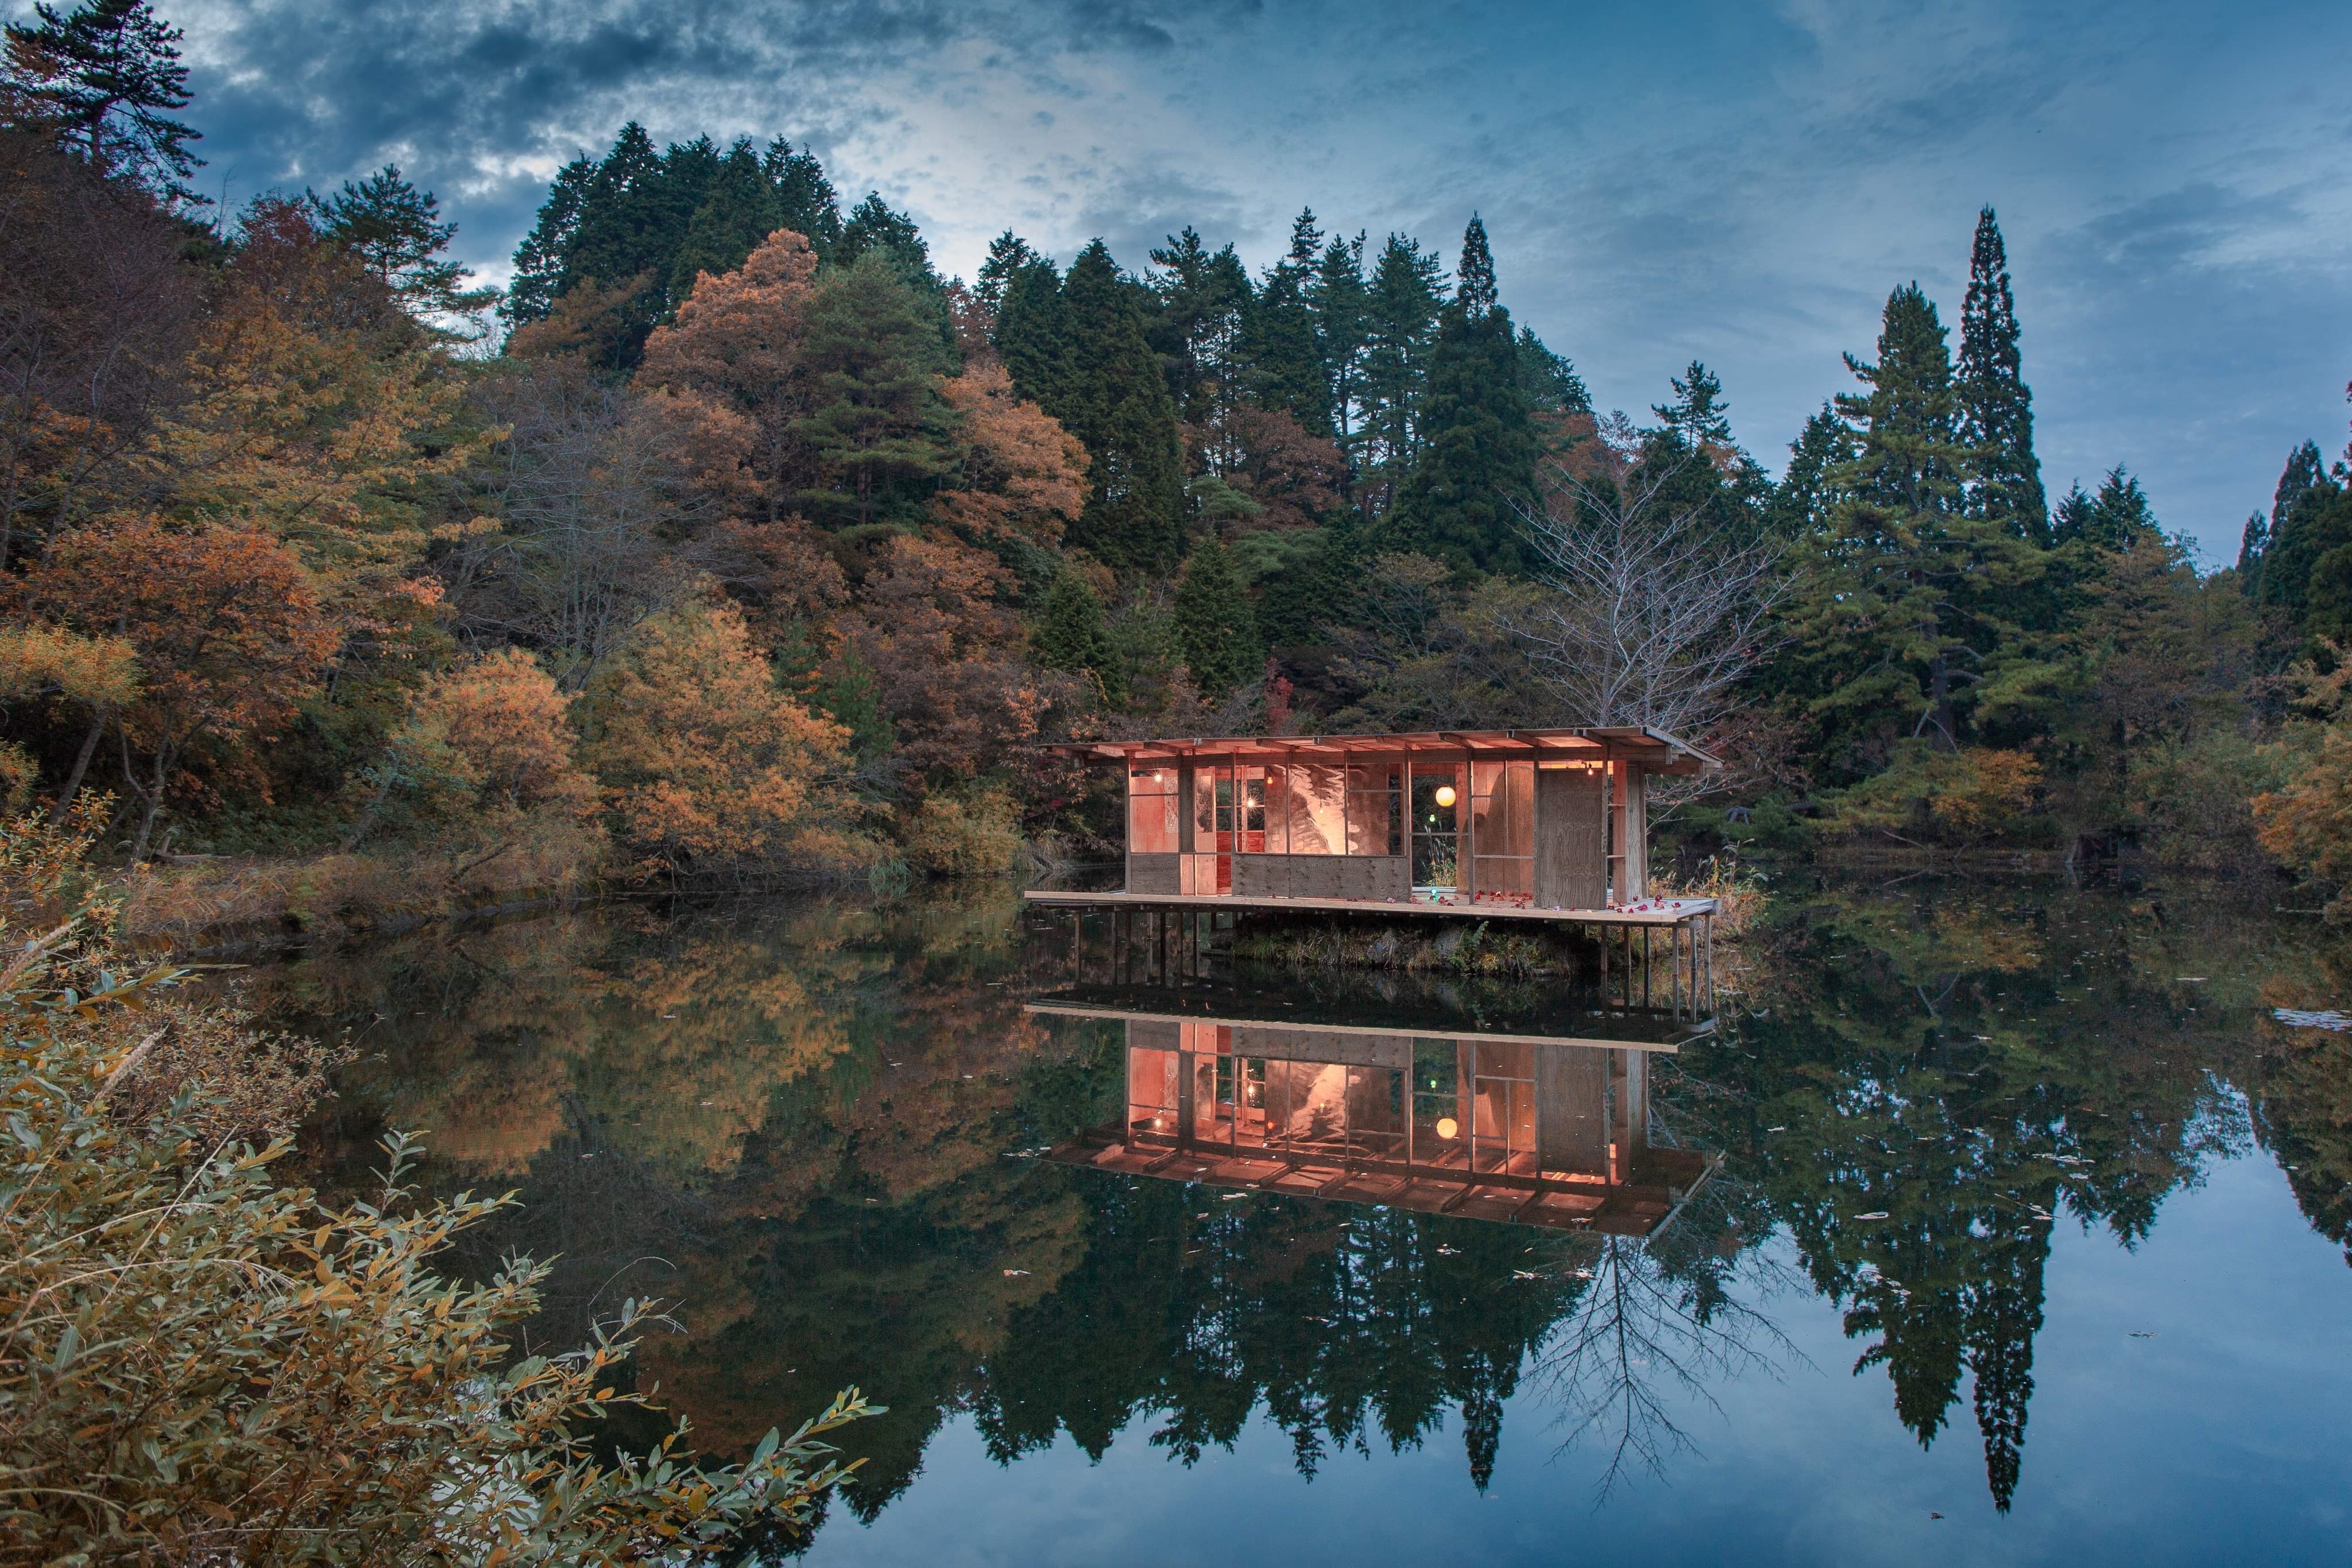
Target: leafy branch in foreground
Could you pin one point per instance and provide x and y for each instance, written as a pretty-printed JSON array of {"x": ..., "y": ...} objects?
[{"x": 200, "y": 1365}]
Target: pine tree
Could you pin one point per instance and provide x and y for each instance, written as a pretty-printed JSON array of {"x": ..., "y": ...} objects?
[
  {"x": 541, "y": 259},
  {"x": 1478, "y": 446},
  {"x": 1547, "y": 380},
  {"x": 2297, "y": 539},
  {"x": 395, "y": 232},
  {"x": 1008, "y": 253},
  {"x": 104, "y": 80},
  {"x": 1400, "y": 311},
  {"x": 1286, "y": 364},
  {"x": 1071, "y": 634},
  {"x": 2251, "y": 541},
  {"x": 625, "y": 235},
  {"x": 877, "y": 427},
  {"x": 1473, "y": 280},
  {"x": 1906, "y": 609},
  {"x": 2116, "y": 518},
  {"x": 1698, "y": 414},
  {"x": 740, "y": 211},
  {"x": 1204, "y": 298},
  {"x": 1215, "y": 631},
  {"x": 1115, "y": 400},
  {"x": 2001, "y": 475},
  {"x": 805, "y": 203},
  {"x": 1033, "y": 336},
  {"x": 1807, "y": 495},
  {"x": 1338, "y": 296}
]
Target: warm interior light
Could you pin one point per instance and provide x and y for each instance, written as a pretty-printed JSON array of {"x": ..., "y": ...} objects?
[
  {"x": 1445, "y": 798},
  {"x": 1447, "y": 1126}
]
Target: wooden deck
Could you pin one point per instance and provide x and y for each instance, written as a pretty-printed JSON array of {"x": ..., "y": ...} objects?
[
  {"x": 1664, "y": 1034},
  {"x": 1657, "y": 911}
]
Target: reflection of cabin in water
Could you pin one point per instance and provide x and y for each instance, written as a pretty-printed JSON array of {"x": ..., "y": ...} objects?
[
  {"x": 1545, "y": 1130},
  {"x": 1509, "y": 824}
]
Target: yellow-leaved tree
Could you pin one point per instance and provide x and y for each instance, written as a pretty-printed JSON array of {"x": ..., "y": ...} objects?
[{"x": 710, "y": 766}]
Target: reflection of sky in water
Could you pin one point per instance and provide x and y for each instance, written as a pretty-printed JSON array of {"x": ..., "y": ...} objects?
[
  {"x": 2212, "y": 1442},
  {"x": 812, "y": 1124}
]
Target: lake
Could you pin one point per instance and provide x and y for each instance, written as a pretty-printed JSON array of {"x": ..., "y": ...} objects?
[{"x": 1986, "y": 1222}]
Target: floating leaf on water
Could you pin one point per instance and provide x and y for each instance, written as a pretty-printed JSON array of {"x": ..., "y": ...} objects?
[{"x": 1874, "y": 1214}]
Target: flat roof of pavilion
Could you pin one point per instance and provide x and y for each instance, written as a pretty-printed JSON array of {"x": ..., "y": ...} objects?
[{"x": 1632, "y": 743}]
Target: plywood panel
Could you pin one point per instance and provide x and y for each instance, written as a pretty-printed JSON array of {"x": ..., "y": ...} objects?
[
  {"x": 1152, "y": 873},
  {"x": 1571, "y": 839},
  {"x": 1261, "y": 877}
]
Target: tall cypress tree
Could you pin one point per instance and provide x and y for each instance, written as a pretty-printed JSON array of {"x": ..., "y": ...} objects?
[
  {"x": 2116, "y": 519},
  {"x": 1214, "y": 629},
  {"x": 805, "y": 203},
  {"x": 1806, "y": 497},
  {"x": 541, "y": 259},
  {"x": 1033, "y": 334},
  {"x": 1338, "y": 296},
  {"x": 877, "y": 429},
  {"x": 1549, "y": 380},
  {"x": 1478, "y": 445},
  {"x": 740, "y": 211},
  {"x": 1071, "y": 634},
  {"x": 2294, "y": 545},
  {"x": 1115, "y": 401},
  {"x": 1400, "y": 311},
  {"x": 1286, "y": 365},
  {"x": 2002, "y": 476},
  {"x": 1907, "y": 607},
  {"x": 1204, "y": 299}
]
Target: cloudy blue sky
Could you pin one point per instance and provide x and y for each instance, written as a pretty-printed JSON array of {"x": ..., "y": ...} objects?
[{"x": 1741, "y": 184}]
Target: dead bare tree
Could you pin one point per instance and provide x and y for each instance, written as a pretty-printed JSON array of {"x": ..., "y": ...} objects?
[{"x": 1652, "y": 610}]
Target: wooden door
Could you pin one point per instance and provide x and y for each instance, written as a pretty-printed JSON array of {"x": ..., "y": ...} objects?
[{"x": 1572, "y": 838}]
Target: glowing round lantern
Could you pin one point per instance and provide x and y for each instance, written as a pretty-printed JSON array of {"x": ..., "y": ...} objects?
[
  {"x": 1447, "y": 1126},
  {"x": 1445, "y": 794}
]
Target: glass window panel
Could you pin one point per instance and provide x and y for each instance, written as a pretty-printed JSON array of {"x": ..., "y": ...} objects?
[
  {"x": 1315, "y": 819},
  {"x": 1151, "y": 782},
  {"x": 1151, "y": 824},
  {"x": 1507, "y": 1059},
  {"x": 1437, "y": 797},
  {"x": 1433, "y": 860}
]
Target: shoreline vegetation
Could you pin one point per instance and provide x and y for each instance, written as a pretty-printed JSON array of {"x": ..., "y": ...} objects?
[{"x": 735, "y": 546}]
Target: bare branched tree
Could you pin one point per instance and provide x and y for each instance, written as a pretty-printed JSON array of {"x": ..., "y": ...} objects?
[{"x": 1653, "y": 610}]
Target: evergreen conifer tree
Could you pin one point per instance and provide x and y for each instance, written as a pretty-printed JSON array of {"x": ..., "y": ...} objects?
[
  {"x": 1478, "y": 448},
  {"x": 2250, "y": 543},
  {"x": 1807, "y": 495},
  {"x": 740, "y": 211},
  {"x": 1115, "y": 400},
  {"x": 1214, "y": 629},
  {"x": 1906, "y": 611},
  {"x": 104, "y": 81},
  {"x": 1286, "y": 365},
  {"x": 2116, "y": 518},
  {"x": 541, "y": 260},
  {"x": 1547, "y": 380},
  {"x": 805, "y": 203},
  {"x": 1400, "y": 311},
  {"x": 1698, "y": 414},
  {"x": 395, "y": 232},
  {"x": 1008, "y": 253},
  {"x": 2296, "y": 540},
  {"x": 1338, "y": 296},
  {"x": 2002, "y": 476},
  {"x": 1205, "y": 300},
  {"x": 877, "y": 427},
  {"x": 1032, "y": 334},
  {"x": 1071, "y": 634}
]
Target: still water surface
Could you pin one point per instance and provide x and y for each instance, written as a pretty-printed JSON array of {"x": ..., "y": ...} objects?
[{"x": 2103, "y": 1314}]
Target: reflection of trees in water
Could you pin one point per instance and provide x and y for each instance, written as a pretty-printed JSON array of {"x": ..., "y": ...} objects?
[{"x": 844, "y": 1211}]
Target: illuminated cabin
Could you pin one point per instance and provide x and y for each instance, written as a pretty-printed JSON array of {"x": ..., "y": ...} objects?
[
  {"x": 1546, "y": 1130},
  {"x": 1545, "y": 824}
]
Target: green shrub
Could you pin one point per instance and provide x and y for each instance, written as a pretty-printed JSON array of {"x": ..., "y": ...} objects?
[{"x": 973, "y": 834}]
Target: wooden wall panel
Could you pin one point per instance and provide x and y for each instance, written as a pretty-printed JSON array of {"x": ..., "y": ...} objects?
[
  {"x": 1155, "y": 874},
  {"x": 1571, "y": 840},
  {"x": 1316, "y": 1045}
]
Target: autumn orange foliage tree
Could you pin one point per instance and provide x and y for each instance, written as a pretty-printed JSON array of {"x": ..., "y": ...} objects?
[
  {"x": 710, "y": 768},
  {"x": 225, "y": 623}
]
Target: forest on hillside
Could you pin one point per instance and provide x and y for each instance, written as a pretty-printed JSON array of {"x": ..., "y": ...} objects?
[{"x": 733, "y": 542}]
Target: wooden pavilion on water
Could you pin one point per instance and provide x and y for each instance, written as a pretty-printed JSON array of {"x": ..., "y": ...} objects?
[
  {"x": 1486, "y": 1119},
  {"x": 1547, "y": 825}
]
